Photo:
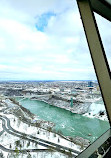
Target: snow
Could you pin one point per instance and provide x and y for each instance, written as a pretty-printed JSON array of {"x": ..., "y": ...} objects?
[
  {"x": 1, "y": 126},
  {"x": 1, "y": 108},
  {"x": 38, "y": 155},
  {"x": 9, "y": 140},
  {"x": 94, "y": 111},
  {"x": 5, "y": 154},
  {"x": 91, "y": 115},
  {"x": 9, "y": 103},
  {"x": 96, "y": 108},
  {"x": 43, "y": 134}
]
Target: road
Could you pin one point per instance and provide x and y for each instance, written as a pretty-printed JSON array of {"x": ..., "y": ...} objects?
[
  {"x": 23, "y": 151},
  {"x": 7, "y": 127}
]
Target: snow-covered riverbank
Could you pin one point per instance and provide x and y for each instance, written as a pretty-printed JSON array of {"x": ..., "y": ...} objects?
[
  {"x": 88, "y": 107},
  {"x": 19, "y": 143}
]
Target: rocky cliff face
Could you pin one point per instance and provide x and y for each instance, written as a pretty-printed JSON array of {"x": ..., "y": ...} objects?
[{"x": 64, "y": 103}]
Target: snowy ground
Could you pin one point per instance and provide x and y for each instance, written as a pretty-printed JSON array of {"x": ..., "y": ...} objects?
[
  {"x": 10, "y": 142},
  {"x": 91, "y": 115},
  {"x": 36, "y": 155},
  {"x": 1, "y": 126},
  {"x": 13, "y": 142},
  {"x": 40, "y": 133}
]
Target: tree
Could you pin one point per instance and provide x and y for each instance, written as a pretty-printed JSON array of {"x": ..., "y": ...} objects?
[
  {"x": 18, "y": 123},
  {"x": 23, "y": 142},
  {"x": 38, "y": 132},
  {"x": 28, "y": 144},
  {"x": 1, "y": 155},
  {"x": 10, "y": 146},
  {"x": 36, "y": 144},
  {"x": 58, "y": 140},
  {"x": 29, "y": 155},
  {"x": 54, "y": 134},
  {"x": 82, "y": 145},
  {"x": 20, "y": 146},
  {"x": 71, "y": 139},
  {"x": 38, "y": 124},
  {"x": 17, "y": 143},
  {"x": 49, "y": 129},
  {"x": 17, "y": 151},
  {"x": 70, "y": 154}
]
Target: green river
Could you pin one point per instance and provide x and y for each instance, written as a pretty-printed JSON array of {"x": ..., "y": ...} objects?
[{"x": 70, "y": 124}]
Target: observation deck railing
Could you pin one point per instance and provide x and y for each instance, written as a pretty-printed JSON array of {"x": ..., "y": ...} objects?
[{"x": 100, "y": 147}]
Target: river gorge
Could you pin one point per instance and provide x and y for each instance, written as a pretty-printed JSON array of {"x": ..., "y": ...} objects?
[{"x": 70, "y": 124}]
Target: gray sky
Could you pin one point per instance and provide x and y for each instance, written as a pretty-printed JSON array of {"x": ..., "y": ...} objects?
[{"x": 44, "y": 40}]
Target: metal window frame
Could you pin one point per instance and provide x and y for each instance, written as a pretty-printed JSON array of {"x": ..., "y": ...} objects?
[
  {"x": 102, "y": 7},
  {"x": 100, "y": 63},
  {"x": 97, "y": 52},
  {"x": 93, "y": 147}
]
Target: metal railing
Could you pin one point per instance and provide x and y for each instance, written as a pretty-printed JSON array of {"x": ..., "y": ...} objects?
[{"x": 100, "y": 146}]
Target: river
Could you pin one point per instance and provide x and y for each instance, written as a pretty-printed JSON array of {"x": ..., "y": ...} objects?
[{"x": 70, "y": 124}]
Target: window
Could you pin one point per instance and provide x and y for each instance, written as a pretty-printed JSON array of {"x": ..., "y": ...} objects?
[{"x": 49, "y": 91}]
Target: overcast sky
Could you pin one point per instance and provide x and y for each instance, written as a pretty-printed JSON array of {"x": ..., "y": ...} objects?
[{"x": 44, "y": 40}]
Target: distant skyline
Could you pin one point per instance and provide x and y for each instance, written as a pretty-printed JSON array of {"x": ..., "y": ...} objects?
[
  {"x": 46, "y": 80},
  {"x": 44, "y": 40}
]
